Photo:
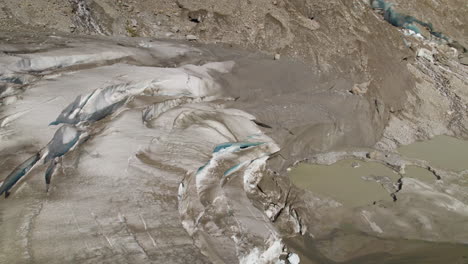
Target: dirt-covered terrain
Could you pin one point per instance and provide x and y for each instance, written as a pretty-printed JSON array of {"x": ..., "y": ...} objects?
[{"x": 164, "y": 131}]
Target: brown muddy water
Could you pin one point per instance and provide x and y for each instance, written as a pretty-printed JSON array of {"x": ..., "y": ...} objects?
[
  {"x": 342, "y": 181},
  {"x": 421, "y": 174},
  {"x": 442, "y": 151},
  {"x": 374, "y": 250}
]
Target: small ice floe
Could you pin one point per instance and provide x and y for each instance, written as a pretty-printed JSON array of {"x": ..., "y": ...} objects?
[
  {"x": 426, "y": 54},
  {"x": 409, "y": 32},
  {"x": 293, "y": 258},
  {"x": 191, "y": 37},
  {"x": 270, "y": 255},
  {"x": 145, "y": 44}
]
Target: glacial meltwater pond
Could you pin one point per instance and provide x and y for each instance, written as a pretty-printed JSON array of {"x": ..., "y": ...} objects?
[
  {"x": 383, "y": 251},
  {"x": 343, "y": 181},
  {"x": 441, "y": 152},
  {"x": 419, "y": 173}
]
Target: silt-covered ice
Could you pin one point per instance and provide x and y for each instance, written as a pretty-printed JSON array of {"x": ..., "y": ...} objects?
[{"x": 122, "y": 128}]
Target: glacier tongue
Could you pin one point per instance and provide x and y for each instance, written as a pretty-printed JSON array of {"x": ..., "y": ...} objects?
[{"x": 127, "y": 132}]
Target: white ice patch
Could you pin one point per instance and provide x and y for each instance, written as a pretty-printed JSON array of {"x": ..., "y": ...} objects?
[
  {"x": 367, "y": 216},
  {"x": 7, "y": 120},
  {"x": 251, "y": 174},
  {"x": 48, "y": 61},
  {"x": 293, "y": 258},
  {"x": 205, "y": 178},
  {"x": 181, "y": 191},
  {"x": 426, "y": 54},
  {"x": 271, "y": 255},
  {"x": 168, "y": 50},
  {"x": 409, "y": 32},
  {"x": 69, "y": 134}
]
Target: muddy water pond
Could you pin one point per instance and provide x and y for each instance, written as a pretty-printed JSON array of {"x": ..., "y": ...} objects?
[
  {"x": 375, "y": 250},
  {"x": 421, "y": 174},
  {"x": 343, "y": 181},
  {"x": 442, "y": 152}
]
